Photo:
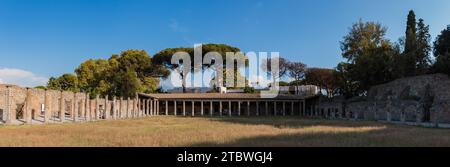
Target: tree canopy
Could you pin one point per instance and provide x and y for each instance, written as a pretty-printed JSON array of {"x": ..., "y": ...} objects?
[
  {"x": 370, "y": 56},
  {"x": 442, "y": 52},
  {"x": 164, "y": 58},
  {"x": 123, "y": 75}
]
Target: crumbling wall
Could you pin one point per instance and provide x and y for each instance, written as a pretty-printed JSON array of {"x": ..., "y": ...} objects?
[
  {"x": 27, "y": 105},
  {"x": 420, "y": 99}
]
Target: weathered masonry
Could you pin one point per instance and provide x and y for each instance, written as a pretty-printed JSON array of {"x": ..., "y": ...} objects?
[
  {"x": 232, "y": 104},
  {"x": 35, "y": 106},
  {"x": 420, "y": 100}
]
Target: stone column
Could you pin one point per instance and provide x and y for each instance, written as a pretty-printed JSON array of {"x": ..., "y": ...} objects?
[
  {"x": 229, "y": 108},
  {"x": 47, "y": 104},
  {"x": 211, "y": 108},
  {"x": 267, "y": 108},
  {"x": 134, "y": 110},
  {"x": 257, "y": 108},
  {"x": 248, "y": 108},
  {"x": 75, "y": 108},
  {"x": 304, "y": 106},
  {"x": 274, "y": 108},
  {"x": 139, "y": 106},
  {"x": 127, "y": 115},
  {"x": 167, "y": 107},
  {"x": 284, "y": 108},
  {"x": 151, "y": 107},
  {"x": 82, "y": 108},
  {"x": 184, "y": 108},
  {"x": 239, "y": 108},
  {"x": 193, "y": 108},
  {"x": 201, "y": 108},
  {"x": 175, "y": 107},
  {"x": 27, "y": 112},
  {"x": 97, "y": 107},
  {"x": 147, "y": 107},
  {"x": 292, "y": 108},
  {"x": 62, "y": 113},
  {"x": 87, "y": 105},
  {"x": 119, "y": 115},
  {"x": 9, "y": 115},
  {"x": 220, "y": 108},
  {"x": 107, "y": 108},
  {"x": 157, "y": 107},
  {"x": 300, "y": 112},
  {"x": 114, "y": 108}
]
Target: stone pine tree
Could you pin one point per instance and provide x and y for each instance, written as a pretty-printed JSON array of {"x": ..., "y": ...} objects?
[
  {"x": 423, "y": 50},
  {"x": 164, "y": 57},
  {"x": 409, "y": 62}
]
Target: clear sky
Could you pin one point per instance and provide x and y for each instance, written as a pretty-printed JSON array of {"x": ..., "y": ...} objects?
[{"x": 43, "y": 38}]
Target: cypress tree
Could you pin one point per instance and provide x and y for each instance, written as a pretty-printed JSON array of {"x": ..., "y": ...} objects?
[
  {"x": 409, "y": 58},
  {"x": 423, "y": 60}
]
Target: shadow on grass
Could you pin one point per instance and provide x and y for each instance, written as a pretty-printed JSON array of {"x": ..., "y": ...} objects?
[
  {"x": 343, "y": 139},
  {"x": 332, "y": 133},
  {"x": 296, "y": 122}
]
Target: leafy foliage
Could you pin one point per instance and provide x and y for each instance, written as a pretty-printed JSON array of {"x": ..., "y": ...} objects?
[
  {"x": 323, "y": 78},
  {"x": 370, "y": 57},
  {"x": 164, "y": 57},
  {"x": 442, "y": 52},
  {"x": 67, "y": 82},
  {"x": 121, "y": 75}
]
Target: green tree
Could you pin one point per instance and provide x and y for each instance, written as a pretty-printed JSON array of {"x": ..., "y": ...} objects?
[
  {"x": 124, "y": 75},
  {"x": 323, "y": 78},
  {"x": 280, "y": 83},
  {"x": 363, "y": 36},
  {"x": 347, "y": 86},
  {"x": 408, "y": 61},
  {"x": 423, "y": 61},
  {"x": 370, "y": 56},
  {"x": 297, "y": 83},
  {"x": 129, "y": 83},
  {"x": 164, "y": 58},
  {"x": 297, "y": 70},
  {"x": 66, "y": 82},
  {"x": 41, "y": 87},
  {"x": 441, "y": 52},
  {"x": 410, "y": 41},
  {"x": 415, "y": 59}
]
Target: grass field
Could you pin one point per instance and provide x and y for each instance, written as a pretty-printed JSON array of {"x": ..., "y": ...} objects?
[{"x": 222, "y": 132}]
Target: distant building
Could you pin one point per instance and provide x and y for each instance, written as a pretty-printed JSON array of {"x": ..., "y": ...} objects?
[
  {"x": 190, "y": 90},
  {"x": 304, "y": 90}
]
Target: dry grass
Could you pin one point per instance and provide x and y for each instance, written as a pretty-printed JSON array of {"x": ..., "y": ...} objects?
[{"x": 264, "y": 131}]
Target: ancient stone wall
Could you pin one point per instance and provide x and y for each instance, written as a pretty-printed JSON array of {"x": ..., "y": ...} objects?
[
  {"x": 421, "y": 100},
  {"x": 36, "y": 106}
]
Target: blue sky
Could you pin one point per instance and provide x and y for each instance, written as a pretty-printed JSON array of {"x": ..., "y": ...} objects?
[{"x": 43, "y": 38}]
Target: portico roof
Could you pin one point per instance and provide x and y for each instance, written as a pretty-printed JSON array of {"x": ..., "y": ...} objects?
[{"x": 219, "y": 96}]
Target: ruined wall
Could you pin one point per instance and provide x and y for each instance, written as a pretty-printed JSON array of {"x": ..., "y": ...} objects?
[
  {"x": 420, "y": 99},
  {"x": 26, "y": 105}
]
